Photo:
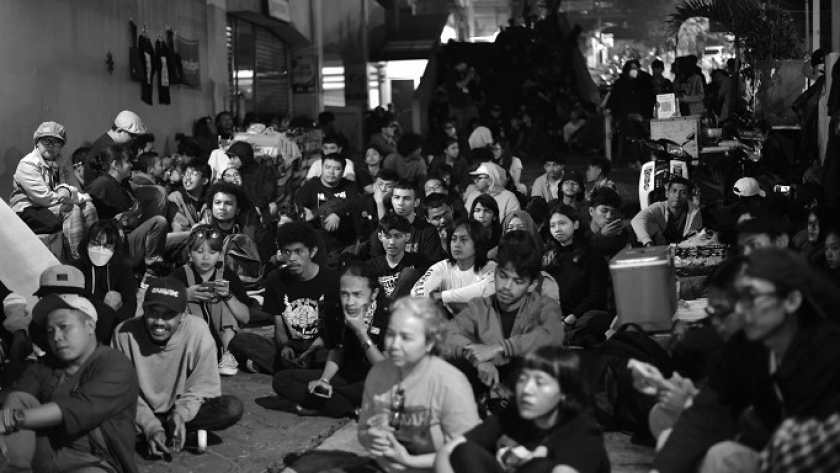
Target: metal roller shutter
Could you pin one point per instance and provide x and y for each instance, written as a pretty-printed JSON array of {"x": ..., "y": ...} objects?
[{"x": 271, "y": 85}]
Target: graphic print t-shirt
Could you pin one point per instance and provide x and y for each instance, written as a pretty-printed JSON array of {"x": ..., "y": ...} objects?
[
  {"x": 387, "y": 276},
  {"x": 301, "y": 303}
]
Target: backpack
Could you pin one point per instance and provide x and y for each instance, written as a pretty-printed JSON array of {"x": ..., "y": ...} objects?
[
  {"x": 618, "y": 405},
  {"x": 241, "y": 255}
]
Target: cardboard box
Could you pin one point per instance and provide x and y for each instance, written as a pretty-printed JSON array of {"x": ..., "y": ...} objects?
[{"x": 683, "y": 131}]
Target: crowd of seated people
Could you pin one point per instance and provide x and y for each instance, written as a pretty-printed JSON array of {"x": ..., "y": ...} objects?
[{"x": 429, "y": 288}]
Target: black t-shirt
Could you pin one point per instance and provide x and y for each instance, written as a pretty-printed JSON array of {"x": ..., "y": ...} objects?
[
  {"x": 577, "y": 442},
  {"x": 301, "y": 304},
  {"x": 337, "y": 334},
  {"x": 424, "y": 239},
  {"x": 387, "y": 276},
  {"x": 508, "y": 319},
  {"x": 236, "y": 286}
]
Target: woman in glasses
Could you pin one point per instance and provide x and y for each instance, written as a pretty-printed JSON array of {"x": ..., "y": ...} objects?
[
  {"x": 548, "y": 429},
  {"x": 355, "y": 336},
  {"x": 414, "y": 402},
  {"x": 214, "y": 292}
]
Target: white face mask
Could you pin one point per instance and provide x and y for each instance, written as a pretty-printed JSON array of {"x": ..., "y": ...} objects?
[
  {"x": 100, "y": 256},
  {"x": 633, "y": 73}
]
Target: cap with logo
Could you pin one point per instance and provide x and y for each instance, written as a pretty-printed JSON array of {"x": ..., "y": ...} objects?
[
  {"x": 50, "y": 130},
  {"x": 747, "y": 187},
  {"x": 62, "y": 279},
  {"x": 130, "y": 122},
  {"x": 166, "y": 293},
  {"x": 52, "y": 302}
]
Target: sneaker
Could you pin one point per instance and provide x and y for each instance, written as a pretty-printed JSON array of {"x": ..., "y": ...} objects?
[{"x": 228, "y": 366}]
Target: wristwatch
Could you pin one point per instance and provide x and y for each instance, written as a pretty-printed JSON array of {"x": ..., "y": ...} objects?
[
  {"x": 367, "y": 344},
  {"x": 19, "y": 416}
]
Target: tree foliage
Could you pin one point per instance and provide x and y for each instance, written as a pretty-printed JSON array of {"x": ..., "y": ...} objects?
[{"x": 764, "y": 29}]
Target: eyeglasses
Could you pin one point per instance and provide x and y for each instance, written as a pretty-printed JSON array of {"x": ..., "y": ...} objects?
[
  {"x": 480, "y": 177},
  {"x": 719, "y": 313},
  {"x": 51, "y": 142},
  {"x": 433, "y": 188},
  {"x": 193, "y": 174},
  {"x": 397, "y": 406},
  {"x": 207, "y": 233},
  {"x": 747, "y": 299}
]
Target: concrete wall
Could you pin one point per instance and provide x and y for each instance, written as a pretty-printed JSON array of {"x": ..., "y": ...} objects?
[{"x": 54, "y": 57}]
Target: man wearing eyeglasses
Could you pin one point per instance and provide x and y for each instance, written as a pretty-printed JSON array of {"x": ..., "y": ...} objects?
[{"x": 782, "y": 365}]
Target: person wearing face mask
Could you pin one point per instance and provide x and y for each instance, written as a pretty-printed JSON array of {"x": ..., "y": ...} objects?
[
  {"x": 631, "y": 103},
  {"x": 108, "y": 277}
]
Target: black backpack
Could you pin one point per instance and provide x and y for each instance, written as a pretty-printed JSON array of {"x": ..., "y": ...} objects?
[{"x": 618, "y": 405}]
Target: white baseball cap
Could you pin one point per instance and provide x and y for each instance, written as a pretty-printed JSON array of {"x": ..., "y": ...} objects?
[
  {"x": 747, "y": 187},
  {"x": 130, "y": 122}
]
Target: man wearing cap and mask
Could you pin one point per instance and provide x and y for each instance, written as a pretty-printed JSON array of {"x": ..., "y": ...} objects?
[
  {"x": 490, "y": 179},
  {"x": 38, "y": 197},
  {"x": 126, "y": 128},
  {"x": 73, "y": 410},
  {"x": 783, "y": 364},
  {"x": 177, "y": 368}
]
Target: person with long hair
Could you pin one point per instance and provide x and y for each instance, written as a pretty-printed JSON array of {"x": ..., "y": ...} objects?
[
  {"x": 104, "y": 263},
  {"x": 548, "y": 429},
  {"x": 466, "y": 274},
  {"x": 366, "y": 175},
  {"x": 504, "y": 158},
  {"x": 355, "y": 335},
  {"x": 580, "y": 273},
  {"x": 414, "y": 402},
  {"x": 214, "y": 292},
  {"x": 485, "y": 210},
  {"x": 451, "y": 155}
]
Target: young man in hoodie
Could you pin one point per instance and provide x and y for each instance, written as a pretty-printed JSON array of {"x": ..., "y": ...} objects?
[
  {"x": 490, "y": 332},
  {"x": 490, "y": 179},
  {"x": 671, "y": 221},
  {"x": 407, "y": 160},
  {"x": 174, "y": 355}
]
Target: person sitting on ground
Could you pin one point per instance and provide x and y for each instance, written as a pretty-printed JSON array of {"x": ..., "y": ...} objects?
[
  {"x": 149, "y": 170},
  {"x": 451, "y": 156},
  {"x": 332, "y": 144},
  {"x": 114, "y": 198},
  {"x": 396, "y": 271},
  {"x": 675, "y": 397},
  {"x": 465, "y": 274},
  {"x": 597, "y": 175},
  {"x": 436, "y": 184},
  {"x": 73, "y": 410},
  {"x": 375, "y": 205},
  {"x": 440, "y": 215},
  {"x": 782, "y": 365},
  {"x": 40, "y": 201},
  {"x": 503, "y": 157},
  {"x": 233, "y": 176},
  {"x": 355, "y": 338},
  {"x": 547, "y": 185},
  {"x": 486, "y": 336},
  {"x": 581, "y": 274},
  {"x": 606, "y": 233},
  {"x": 549, "y": 428},
  {"x": 572, "y": 192},
  {"x": 227, "y": 209},
  {"x": 126, "y": 128},
  {"x": 485, "y": 210},
  {"x": 214, "y": 292},
  {"x": 366, "y": 175},
  {"x": 663, "y": 223},
  {"x": 330, "y": 200},
  {"x": 423, "y": 238},
  {"x": 489, "y": 179},
  {"x": 810, "y": 240},
  {"x": 295, "y": 295},
  {"x": 189, "y": 199},
  {"x": 385, "y": 139},
  {"x": 414, "y": 402},
  {"x": 107, "y": 275},
  {"x": 259, "y": 182},
  {"x": 480, "y": 136},
  {"x": 832, "y": 254},
  {"x": 407, "y": 161},
  {"x": 765, "y": 228},
  {"x": 175, "y": 358},
  {"x": 589, "y": 138}
]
